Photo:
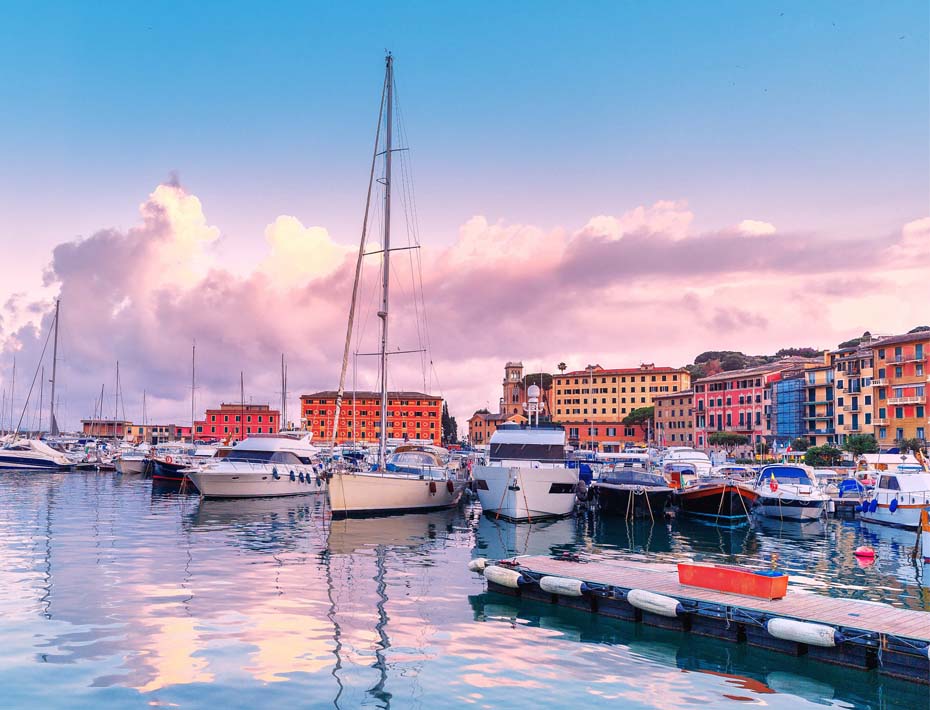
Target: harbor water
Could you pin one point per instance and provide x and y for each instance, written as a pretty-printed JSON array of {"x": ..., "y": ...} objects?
[{"x": 118, "y": 595}]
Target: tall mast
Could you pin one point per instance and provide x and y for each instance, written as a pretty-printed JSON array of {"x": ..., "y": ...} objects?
[
  {"x": 12, "y": 389},
  {"x": 41, "y": 402},
  {"x": 116, "y": 400},
  {"x": 52, "y": 425},
  {"x": 386, "y": 257},
  {"x": 358, "y": 270},
  {"x": 241, "y": 406},
  {"x": 283, "y": 412},
  {"x": 193, "y": 384}
]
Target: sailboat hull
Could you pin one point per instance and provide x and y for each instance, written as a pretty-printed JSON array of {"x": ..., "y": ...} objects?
[{"x": 360, "y": 494}]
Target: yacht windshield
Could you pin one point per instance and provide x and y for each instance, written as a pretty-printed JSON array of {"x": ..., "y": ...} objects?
[
  {"x": 287, "y": 457},
  {"x": 786, "y": 474}
]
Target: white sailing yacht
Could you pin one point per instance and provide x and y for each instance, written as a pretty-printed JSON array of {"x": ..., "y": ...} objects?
[{"x": 422, "y": 480}]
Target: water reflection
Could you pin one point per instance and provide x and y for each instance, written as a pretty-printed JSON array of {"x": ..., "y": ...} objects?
[{"x": 115, "y": 595}]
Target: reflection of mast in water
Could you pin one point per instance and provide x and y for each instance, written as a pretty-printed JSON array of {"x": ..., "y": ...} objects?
[
  {"x": 46, "y": 599},
  {"x": 337, "y": 630},
  {"x": 384, "y": 643}
]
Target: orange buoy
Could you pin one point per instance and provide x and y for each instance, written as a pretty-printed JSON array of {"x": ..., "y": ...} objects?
[{"x": 864, "y": 552}]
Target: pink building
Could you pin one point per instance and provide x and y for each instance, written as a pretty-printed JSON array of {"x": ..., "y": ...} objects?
[{"x": 739, "y": 401}]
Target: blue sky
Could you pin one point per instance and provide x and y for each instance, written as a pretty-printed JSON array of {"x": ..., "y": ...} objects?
[{"x": 810, "y": 116}]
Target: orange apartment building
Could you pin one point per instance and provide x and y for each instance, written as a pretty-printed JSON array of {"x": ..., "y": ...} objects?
[
  {"x": 411, "y": 416},
  {"x": 674, "y": 418},
  {"x": 899, "y": 388},
  {"x": 483, "y": 424},
  {"x": 234, "y": 422}
]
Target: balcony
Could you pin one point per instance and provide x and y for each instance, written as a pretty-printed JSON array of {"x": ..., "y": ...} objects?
[
  {"x": 907, "y": 358},
  {"x": 907, "y": 400},
  {"x": 880, "y": 422},
  {"x": 815, "y": 417},
  {"x": 880, "y": 382}
]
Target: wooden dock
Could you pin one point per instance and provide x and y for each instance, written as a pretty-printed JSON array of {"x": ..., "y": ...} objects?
[{"x": 875, "y": 636}]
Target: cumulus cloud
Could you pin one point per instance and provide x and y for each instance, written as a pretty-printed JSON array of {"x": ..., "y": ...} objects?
[
  {"x": 755, "y": 227},
  {"x": 617, "y": 290}
]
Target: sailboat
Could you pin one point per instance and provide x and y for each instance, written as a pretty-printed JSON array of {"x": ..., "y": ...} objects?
[
  {"x": 413, "y": 478},
  {"x": 34, "y": 454}
]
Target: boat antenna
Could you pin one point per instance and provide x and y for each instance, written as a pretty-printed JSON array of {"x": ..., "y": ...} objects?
[
  {"x": 193, "y": 384},
  {"x": 358, "y": 270},
  {"x": 386, "y": 257},
  {"x": 241, "y": 405}
]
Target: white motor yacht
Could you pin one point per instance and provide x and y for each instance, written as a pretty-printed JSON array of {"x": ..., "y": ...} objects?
[
  {"x": 698, "y": 461},
  {"x": 790, "y": 492},
  {"x": 261, "y": 466},
  {"x": 32, "y": 454},
  {"x": 527, "y": 477},
  {"x": 898, "y": 497}
]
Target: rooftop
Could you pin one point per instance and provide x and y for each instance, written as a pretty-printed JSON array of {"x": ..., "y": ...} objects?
[
  {"x": 368, "y": 394},
  {"x": 923, "y": 335},
  {"x": 641, "y": 370},
  {"x": 672, "y": 395},
  {"x": 784, "y": 364}
]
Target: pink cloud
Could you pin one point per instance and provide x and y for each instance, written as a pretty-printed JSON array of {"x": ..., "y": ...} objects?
[{"x": 618, "y": 290}]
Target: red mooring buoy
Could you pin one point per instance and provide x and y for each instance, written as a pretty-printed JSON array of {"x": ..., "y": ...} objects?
[{"x": 864, "y": 552}]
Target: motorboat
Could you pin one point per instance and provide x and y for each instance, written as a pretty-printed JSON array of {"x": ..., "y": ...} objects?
[
  {"x": 262, "y": 466},
  {"x": 725, "y": 500},
  {"x": 415, "y": 478},
  {"x": 898, "y": 497},
  {"x": 171, "y": 460},
  {"x": 735, "y": 470},
  {"x": 134, "y": 461},
  {"x": 32, "y": 454},
  {"x": 685, "y": 455},
  {"x": 631, "y": 491},
  {"x": 527, "y": 477},
  {"x": 789, "y": 491}
]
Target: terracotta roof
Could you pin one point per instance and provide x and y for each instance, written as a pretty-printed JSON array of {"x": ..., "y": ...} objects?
[
  {"x": 671, "y": 395},
  {"x": 368, "y": 394},
  {"x": 896, "y": 339},
  {"x": 785, "y": 364},
  {"x": 622, "y": 371}
]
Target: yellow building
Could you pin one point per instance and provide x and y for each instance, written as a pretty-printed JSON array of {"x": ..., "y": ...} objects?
[
  {"x": 674, "y": 418},
  {"x": 852, "y": 373},
  {"x": 599, "y": 395},
  {"x": 899, "y": 387}
]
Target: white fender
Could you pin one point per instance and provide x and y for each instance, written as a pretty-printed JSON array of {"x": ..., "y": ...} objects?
[
  {"x": 566, "y": 586},
  {"x": 503, "y": 576},
  {"x": 654, "y": 603},
  {"x": 478, "y": 564},
  {"x": 804, "y": 632}
]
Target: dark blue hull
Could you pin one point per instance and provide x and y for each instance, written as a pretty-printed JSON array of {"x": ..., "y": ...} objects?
[
  {"x": 11, "y": 462},
  {"x": 163, "y": 471}
]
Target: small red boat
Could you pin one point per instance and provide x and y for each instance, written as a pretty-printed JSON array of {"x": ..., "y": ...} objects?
[{"x": 762, "y": 584}]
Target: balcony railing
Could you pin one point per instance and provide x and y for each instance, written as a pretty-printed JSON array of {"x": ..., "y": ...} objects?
[
  {"x": 880, "y": 422},
  {"x": 879, "y": 381},
  {"x": 819, "y": 416},
  {"x": 907, "y": 358},
  {"x": 907, "y": 400}
]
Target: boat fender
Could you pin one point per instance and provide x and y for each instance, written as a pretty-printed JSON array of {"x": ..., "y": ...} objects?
[
  {"x": 293, "y": 477},
  {"x": 300, "y": 476},
  {"x": 864, "y": 551},
  {"x": 275, "y": 474},
  {"x": 873, "y": 506},
  {"x": 450, "y": 487},
  {"x": 894, "y": 505},
  {"x": 478, "y": 564},
  {"x": 318, "y": 482},
  {"x": 432, "y": 488},
  {"x": 565, "y": 586},
  {"x": 581, "y": 491},
  {"x": 504, "y": 577},
  {"x": 858, "y": 506},
  {"x": 804, "y": 632},
  {"x": 654, "y": 603}
]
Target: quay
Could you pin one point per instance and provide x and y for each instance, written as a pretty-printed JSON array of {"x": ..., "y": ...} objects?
[{"x": 856, "y": 634}]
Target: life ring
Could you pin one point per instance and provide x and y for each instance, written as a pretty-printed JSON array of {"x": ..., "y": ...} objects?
[{"x": 168, "y": 459}]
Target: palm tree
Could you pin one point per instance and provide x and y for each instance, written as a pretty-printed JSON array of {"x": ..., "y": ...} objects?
[{"x": 562, "y": 367}]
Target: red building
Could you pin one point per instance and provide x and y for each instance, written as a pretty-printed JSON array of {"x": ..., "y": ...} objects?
[
  {"x": 234, "y": 422},
  {"x": 739, "y": 401},
  {"x": 411, "y": 415},
  {"x": 606, "y": 437}
]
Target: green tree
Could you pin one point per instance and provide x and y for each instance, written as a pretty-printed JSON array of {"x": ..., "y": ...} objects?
[
  {"x": 823, "y": 456},
  {"x": 727, "y": 439},
  {"x": 858, "y": 444},
  {"x": 641, "y": 417},
  {"x": 562, "y": 367},
  {"x": 450, "y": 430},
  {"x": 800, "y": 444},
  {"x": 911, "y": 445}
]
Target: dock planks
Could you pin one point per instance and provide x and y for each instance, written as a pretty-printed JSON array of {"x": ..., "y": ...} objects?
[{"x": 804, "y": 606}]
